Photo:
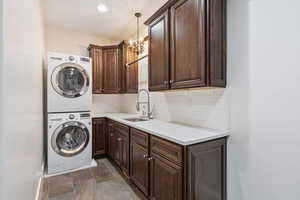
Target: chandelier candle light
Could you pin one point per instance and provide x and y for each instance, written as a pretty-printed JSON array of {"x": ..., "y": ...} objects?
[{"x": 138, "y": 45}]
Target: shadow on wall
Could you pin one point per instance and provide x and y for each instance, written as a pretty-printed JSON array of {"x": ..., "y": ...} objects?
[{"x": 238, "y": 87}]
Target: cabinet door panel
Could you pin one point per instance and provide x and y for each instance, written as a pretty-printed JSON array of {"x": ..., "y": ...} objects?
[
  {"x": 159, "y": 53},
  {"x": 110, "y": 135},
  {"x": 188, "y": 44},
  {"x": 217, "y": 42},
  {"x": 139, "y": 167},
  {"x": 166, "y": 180},
  {"x": 97, "y": 64},
  {"x": 118, "y": 149},
  {"x": 132, "y": 73},
  {"x": 125, "y": 155},
  {"x": 99, "y": 130},
  {"x": 111, "y": 63}
]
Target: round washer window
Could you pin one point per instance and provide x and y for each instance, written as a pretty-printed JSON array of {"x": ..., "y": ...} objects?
[
  {"x": 70, "y": 139},
  {"x": 70, "y": 80}
]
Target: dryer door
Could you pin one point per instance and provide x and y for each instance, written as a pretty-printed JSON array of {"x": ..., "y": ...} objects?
[
  {"x": 70, "y": 139},
  {"x": 70, "y": 80}
]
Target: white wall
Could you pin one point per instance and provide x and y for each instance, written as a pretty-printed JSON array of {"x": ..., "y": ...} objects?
[
  {"x": 21, "y": 131},
  {"x": 264, "y": 46},
  {"x": 65, "y": 40}
]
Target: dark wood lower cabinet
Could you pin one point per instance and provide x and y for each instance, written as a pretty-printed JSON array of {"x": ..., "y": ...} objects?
[
  {"x": 206, "y": 171},
  {"x": 166, "y": 179},
  {"x": 118, "y": 145},
  {"x": 139, "y": 167},
  {"x": 163, "y": 170},
  {"x": 111, "y": 140},
  {"x": 124, "y": 154},
  {"x": 99, "y": 137}
]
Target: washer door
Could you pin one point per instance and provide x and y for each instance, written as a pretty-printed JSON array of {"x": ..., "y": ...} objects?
[
  {"x": 70, "y": 80},
  {"x": 70, "y": 139}
]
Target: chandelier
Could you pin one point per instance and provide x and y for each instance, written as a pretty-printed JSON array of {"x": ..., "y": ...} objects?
[{"x": 138, "y": 45}]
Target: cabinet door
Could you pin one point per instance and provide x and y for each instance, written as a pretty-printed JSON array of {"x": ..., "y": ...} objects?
[
  {"x": 159, "y": 53},
  {"x": 118, "y": 149},
  {"x": 111, "y": 63},
  {"x": 206, "y": 170},
  {"x": 132, "y": 73},
  {"x": 217, "y": 42},
  {"x": 166, "y": 180},
  {"x": 97, "y": 63},
  {"x": 124, "y": 155},
  {"x": 188, "y": 66},
  {"x": 111, "y": 140},
  {"x": 99, "y": 147},
  {"x": 139, "y": 167}
]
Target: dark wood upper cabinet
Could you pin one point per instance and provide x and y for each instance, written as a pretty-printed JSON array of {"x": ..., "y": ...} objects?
[
  {"x": 97, "y": 67},
  {"x": 216, "y": 39},
  {"x": 196, "y": 36},
  {"x": 110, "y": 75},
  {"x": 111, "y": 70},
  {"x": 159, "y": 53},
  {"x": 132, "y": 73},
  {"x": 99, "y": 137},
  {"x": 188, "y": 44}
]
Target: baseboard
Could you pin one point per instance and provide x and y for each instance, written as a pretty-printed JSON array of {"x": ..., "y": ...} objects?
[
  {"x": 92, "y": 165},
  {"x": 40, "y": 185},
  {"x": 39, "y": 189}
]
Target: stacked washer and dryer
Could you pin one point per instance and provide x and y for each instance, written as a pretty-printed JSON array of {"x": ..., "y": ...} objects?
[{"x": 69, "y": 123}]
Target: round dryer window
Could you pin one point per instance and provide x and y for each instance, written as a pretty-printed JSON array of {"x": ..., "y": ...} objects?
[
  {"x": 70, "y": 139},
  {"x": 70, "y": 80}
]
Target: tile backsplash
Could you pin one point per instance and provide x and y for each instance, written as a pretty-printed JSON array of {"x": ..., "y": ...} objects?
[{"x": 204, "y": 107}]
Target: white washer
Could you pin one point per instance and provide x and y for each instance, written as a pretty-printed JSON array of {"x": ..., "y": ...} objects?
[
  {"x": 69, "y": 141},
  {"x": 69, "y": 83}
]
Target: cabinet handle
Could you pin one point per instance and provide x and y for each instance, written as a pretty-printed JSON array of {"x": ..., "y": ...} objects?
[
  {"x": 150, "y": 158},
  {"x": 171, "y": 81}
]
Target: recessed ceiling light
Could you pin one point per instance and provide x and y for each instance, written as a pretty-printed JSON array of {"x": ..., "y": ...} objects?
[{"x": 102, "y": 8}]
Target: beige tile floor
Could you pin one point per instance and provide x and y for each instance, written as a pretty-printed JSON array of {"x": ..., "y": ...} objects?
[{"x": 100, "y": 183}]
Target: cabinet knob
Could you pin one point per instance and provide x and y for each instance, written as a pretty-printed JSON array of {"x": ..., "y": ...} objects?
[
  {"x": 171, "y": 81},
  {"x": 145, "y": 156},
  {"x": 165, "y": 82},
  {"x": 119, "y": 139},
  {"x": 150, "y": 158}
]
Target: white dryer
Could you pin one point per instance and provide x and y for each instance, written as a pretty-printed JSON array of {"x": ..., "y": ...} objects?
[
  {"x": 69, "y": 83},
  {"x": 69, "y": 141}
]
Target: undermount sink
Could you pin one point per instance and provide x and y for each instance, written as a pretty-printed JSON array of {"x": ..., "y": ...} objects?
[{"x": 136, "y": 119}]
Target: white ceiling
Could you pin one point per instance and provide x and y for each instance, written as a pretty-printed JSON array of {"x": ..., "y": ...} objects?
[{"x": 117, "y": 24}]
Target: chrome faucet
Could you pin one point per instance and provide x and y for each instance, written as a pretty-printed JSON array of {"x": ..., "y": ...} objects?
[{"x": 138, "y": 103}]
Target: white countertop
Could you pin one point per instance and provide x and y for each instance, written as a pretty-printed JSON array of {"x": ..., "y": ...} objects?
[{"x": 180, "y": 134}]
